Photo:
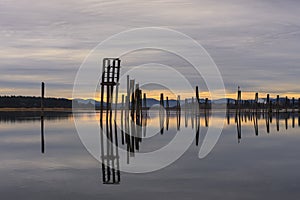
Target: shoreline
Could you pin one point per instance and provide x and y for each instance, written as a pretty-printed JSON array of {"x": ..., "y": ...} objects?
[{"x": 35, "y": 109}]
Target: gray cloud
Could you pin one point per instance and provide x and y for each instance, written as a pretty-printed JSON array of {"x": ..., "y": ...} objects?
[{"x": 255, "y": 44}]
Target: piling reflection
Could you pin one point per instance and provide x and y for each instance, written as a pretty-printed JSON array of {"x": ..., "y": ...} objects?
[
  {"x": 129, "y": 129},
  {"x": 14, "y": 117},
  {"x": 121, "y": 129},
  {"x": 109, "y": 152},
  {"x": 286, "y": 119},
  {"x": 42, "y": 134}
]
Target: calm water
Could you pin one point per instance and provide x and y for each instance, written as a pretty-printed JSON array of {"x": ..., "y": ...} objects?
[{"x": 252, "y": 160}]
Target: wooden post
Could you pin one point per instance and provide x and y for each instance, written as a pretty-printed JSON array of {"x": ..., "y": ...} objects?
[
  {"x": 140, "y": 102},
  {"x": 168, "y": 113},
  {"x": 228, "y": 103},
  {"x": 228, "y": 112},
  {"x": 178, "y": 102},
  {"x": 122, "y": 117},
  {"x": 256, "y": 101},
  {"x": 205, "y": 112},
  {"x": 298, "y": 105},
  {"x": 167, "y": 104},
  {"x": 299, "y": 112},
  {"x": 286, "y": 104},
  {"x": 132, "y": 98},
  {"x": 137, "y": 99},
  {"x": 116, "y": 63},
  {"x": 42, "y": 117},
  {"x": 239, "y": 95},
  {"x": 239, "y": 98},
  {"x": 178, "y": 113},
  {"x": 197, "y": 96},
  {"x": 206, "y": 103},
  {"x": 269, "y": 104},
  {"x": 277, "y": 104},
  {"x": 144, "y": 119},
  {"x": 128, "y": 94},
  {"x": 42, "y": 95},
  {"x": 102, "y": 89},
  {"x": 162, "y": 100},
  {"x": 136, "y": 90},
  {"x": 293, "y": 105},
  {"x": 268, "y": 113},
  {"x": 122, "y": 106},
  {"x": 145, "y": 101},
  {"x": 268, "y": 101}
]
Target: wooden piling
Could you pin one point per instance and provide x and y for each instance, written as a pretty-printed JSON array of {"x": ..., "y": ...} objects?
[
  {"x": 206, "y": 103},
  {"x": 206, "y": 112},
  {"x": 162, "y": 100},
  {"x": 178, "y": 103},
  {"x": 128, "y": 94},
  {"x": 132, "y": 102},
  {"x": 239, "y": 98},
  {"x": 145, "y": 101},
  {"x": 268, "y": 102},
  {"x": 277, "y": 104},
  {"x": 197, "y": 96},
  {"x": 228, "y": 104},
  {"x": 42, "y": 135},
  {"x": 42, "y": 95},
  {"x": 140, "y": 103},
  {"x": 116, "y": 64},
  {"x": 42, "y": 118},
  {"x": 228, "y": 112},
  {"x": 137, "y": 101},
  {"x": 122, "y": 118},
  {"x": 256, "y": 102},
  {"x": 167, "y": 104},
  {"x": 293, "y": 104},
  {"x": 299, "y": 105},
  {"x": 286, "y": 104},
  {"x": 178, "y": 112}
]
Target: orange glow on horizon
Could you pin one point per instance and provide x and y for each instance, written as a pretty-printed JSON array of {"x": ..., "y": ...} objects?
[{"x": 155, "y": 94}]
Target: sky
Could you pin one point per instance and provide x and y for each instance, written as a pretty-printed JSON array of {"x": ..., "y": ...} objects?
[{"x": 255, "y": 44}]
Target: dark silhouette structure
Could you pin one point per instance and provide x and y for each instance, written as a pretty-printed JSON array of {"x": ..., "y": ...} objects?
[
  {"x": 42, "y": 118},
  {"x": 109, "y": 155}
]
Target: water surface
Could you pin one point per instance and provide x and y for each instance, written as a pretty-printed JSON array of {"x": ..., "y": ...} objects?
[{"x": 255, "y": 158}]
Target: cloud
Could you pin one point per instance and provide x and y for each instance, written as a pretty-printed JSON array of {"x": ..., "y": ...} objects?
[{"x": 254, "y": 43}]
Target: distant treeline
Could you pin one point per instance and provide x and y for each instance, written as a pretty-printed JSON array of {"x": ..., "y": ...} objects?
[{"x": 33, "y": 102}]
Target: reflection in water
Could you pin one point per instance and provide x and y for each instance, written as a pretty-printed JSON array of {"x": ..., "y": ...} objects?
[
  {"x": 255, "y": 121},
  {"x": 239, "y": 125},
  {"x": 109, "y": 155},
  {"x": 132, "y": 129},
  {"x": 255, "y": 117},
  {"x": 42, "y": 134},
  {"x": 123, "y": 130},
  {"x": 28, "y": 116}
]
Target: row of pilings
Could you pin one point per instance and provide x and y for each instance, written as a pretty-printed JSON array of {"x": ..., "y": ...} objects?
[{"x": 265, "y": 104}]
